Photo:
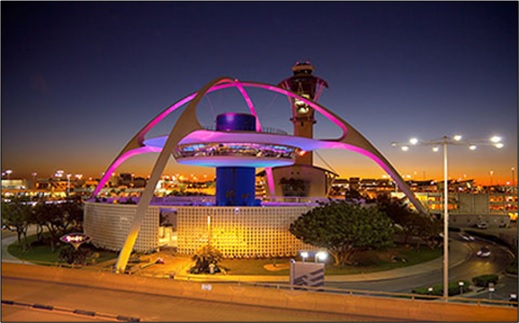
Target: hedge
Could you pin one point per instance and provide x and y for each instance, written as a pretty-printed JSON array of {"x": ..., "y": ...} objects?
[
  {"x": 484, "y": 280},
  {"x": 454, "y": 289}
]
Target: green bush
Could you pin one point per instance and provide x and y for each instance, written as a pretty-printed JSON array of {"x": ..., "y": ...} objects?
[
  {"x": 483, "y": 280},
  {"x": 437, "y": 290}
]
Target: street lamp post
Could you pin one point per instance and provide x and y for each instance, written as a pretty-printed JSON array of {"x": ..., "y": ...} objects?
[
  {"x": 461, "y": 284},
  {"x": 445, "y": 221},
  {"x": 445, "y": 141}
]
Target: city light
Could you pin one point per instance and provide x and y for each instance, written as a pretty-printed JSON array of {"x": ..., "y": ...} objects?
[{"x": 445, "y": 141}]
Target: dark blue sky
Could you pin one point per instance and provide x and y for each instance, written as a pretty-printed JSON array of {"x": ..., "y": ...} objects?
[{"x": 79, "y": 79}]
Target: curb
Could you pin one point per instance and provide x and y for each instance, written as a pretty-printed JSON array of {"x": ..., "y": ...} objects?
[{"x": 44, "y": 307}]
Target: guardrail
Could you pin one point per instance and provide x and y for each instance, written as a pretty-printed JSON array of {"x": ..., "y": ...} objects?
[
  {"x": 370, "y": 303},
  {"x": 210, "y": 279},
  {"x": 263, "y": 129}
]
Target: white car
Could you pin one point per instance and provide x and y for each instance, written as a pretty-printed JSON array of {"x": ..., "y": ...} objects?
[{"x": 484, "y": 252}]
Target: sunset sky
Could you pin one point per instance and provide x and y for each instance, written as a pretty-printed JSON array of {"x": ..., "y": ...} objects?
[{"x": 80, "y": 79}]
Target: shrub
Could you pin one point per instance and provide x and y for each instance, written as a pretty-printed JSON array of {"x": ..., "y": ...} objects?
[
  {"x": 207, "y": 259},
  {"x": 483, "y": 280}
]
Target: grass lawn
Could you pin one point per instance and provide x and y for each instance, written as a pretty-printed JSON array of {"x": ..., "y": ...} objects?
[
  {"x": 368, "y": 261},
  {"x": 365, "y": 262},
  {"x": 42, "y": 254}
]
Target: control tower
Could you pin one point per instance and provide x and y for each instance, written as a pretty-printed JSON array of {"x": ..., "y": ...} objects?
[
  {"x": 303, "y": 179},
  {"x": 307, "y": 86}
]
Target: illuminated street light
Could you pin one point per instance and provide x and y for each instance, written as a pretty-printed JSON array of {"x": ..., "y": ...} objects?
[
  {"x": 495, "y": 139},
  {"x": 304, "y": 255},
  {"x": 444, "y": 141},
  {"x": 321, "y": 255},
  {"x": 8, "y": 172}
]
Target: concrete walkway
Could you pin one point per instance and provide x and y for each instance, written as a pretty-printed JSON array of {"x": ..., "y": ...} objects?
[{"x": 8, "y": 238}]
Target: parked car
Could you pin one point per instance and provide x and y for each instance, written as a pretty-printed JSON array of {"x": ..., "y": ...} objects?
[{"x": 484, "y": 252}]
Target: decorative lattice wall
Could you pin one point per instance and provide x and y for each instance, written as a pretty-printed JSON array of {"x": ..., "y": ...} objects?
[
  {"x": 108, "y": 225},
  {"x": 240, "y": 231}
]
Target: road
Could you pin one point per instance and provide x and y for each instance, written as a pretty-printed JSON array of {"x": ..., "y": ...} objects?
[
  {"x": 146, "y": 307},
  {"x": 473, "y": 266}
]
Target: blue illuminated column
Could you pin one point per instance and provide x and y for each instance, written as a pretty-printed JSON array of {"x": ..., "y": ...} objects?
[{"x": 235, "y": 186}]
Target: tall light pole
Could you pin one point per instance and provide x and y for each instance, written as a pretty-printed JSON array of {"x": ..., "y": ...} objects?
[{"x": 445, "y": 141}]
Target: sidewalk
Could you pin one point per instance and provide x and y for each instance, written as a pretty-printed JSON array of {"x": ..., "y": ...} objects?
[{"x": 9, "y": 238}]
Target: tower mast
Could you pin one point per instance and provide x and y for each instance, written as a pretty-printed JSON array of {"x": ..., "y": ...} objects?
[{"x": 308, "y": 86}]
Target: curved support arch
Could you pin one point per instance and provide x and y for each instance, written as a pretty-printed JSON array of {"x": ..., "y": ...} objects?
[
  {"x": 136, "y": 143},
  {"x": 123, "y": 156},
  {"x": 247, "y": 99},
  {"x": 137, "y": 140},
  {"x": 187, "y": 123},
  {"x": 352, "y": 140}
]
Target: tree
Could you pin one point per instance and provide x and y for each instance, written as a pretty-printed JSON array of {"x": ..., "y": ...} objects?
[
  {"x": 344, "y": 228},
  {"x": 17, "y": 214},
  {"x": 59, "y": 219},
  {"x": 411, "y": 222},
  {"x": 401, "y": 215},
  {"x": 48, "y": 215}
]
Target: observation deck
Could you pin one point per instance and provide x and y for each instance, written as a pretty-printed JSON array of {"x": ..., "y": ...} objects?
[{"x": 213, "y": 148}]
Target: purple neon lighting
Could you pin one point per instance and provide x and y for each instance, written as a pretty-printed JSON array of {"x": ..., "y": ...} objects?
[
  {"x": 222, "y": 84},
  {"x": 227, "y": 83},
  {"x": 164, "y": 114},
  {"x": 119, "y": 161},
  {"x": 249, "y": 103},
  {"x": 189, "y": 98}
]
